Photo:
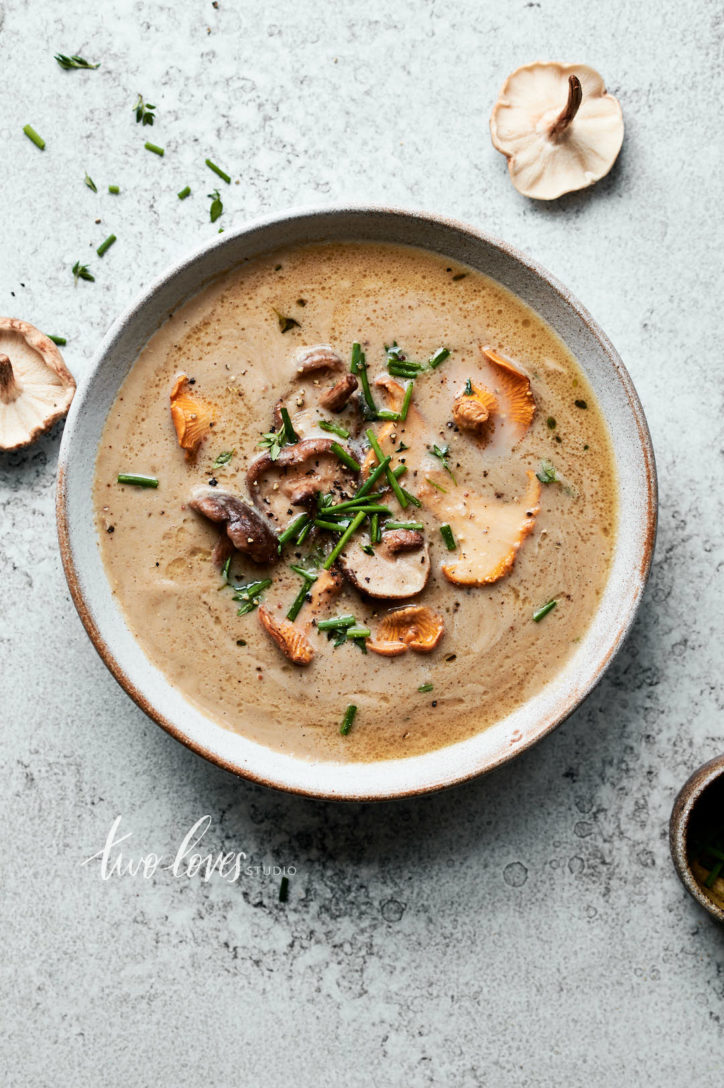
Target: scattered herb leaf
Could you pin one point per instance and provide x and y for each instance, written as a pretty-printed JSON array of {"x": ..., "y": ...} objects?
[
  {"x": 447, "y": 535},
  {"x": 82, "y": 272},
  {"x": 115, "y": 189},
  {"x": 91, "y": 184},
  {"x": 551, "y": 423},
  {"x": 224, "y": 458},
  {"x": 74, "y": 62},
  {"x": 547, "y": 473},
  {"x": 144, "y": 112},
  {"x": 468, "y": 388},
  {"x": 441, "y": 452},
  {"x": 248, "y": 596},
  {"x": 216, "y": 207},
  {"x": 286, "y": 323}
]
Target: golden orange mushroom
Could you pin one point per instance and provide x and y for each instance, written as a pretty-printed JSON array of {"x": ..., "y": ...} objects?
[
  {"x": 416, "y": 628},
  {"x": 291, "y": 641},
  {"x": 471, "y": 411},
  {"x": 192, "y": 416},
  {"x": 515, "y": 386}
]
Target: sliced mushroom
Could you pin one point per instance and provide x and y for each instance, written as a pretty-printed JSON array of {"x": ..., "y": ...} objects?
[
  {"x": 36, "y": 387},
  {"x": 386, "y": 575},
  {"x": 336, "y": 398},
  {"x": 300, "y": 471},
  {"x": 513, "y": 386},
  {"x": 415, "y": 628},
  {"x": 192, "y": 416},
  {"x": 472, "y": 411},
  {"x": 488, "y": 533},
  {"x": 402, "y": 540},
  {"x": 293, "y": 643},
  {"x": 317, "y": 360},
  {"x": 245, "y": 528}
]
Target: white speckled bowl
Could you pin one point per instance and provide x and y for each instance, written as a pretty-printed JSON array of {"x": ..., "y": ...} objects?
[{"x": 155, "y": 694}]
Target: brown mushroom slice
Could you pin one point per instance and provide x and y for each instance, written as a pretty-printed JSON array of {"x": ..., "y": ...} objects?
[
  {"x": 416, "y": 628},
  {"x": 317, "y": 360},
  {"x": 299, "y": 472},
  {"x": 336, "y": 398},
  {"x": 293, "y": 643},
  {"x": 192, "y": 416},
  {"x": 518, "y": 406},
  {"x": 488, "y": 533},
  {"x": 386, "y": 575},
  {"x": 36, "y": 387},
  {"x": 472, "y": 411},
  {"x": 245, "y": 528}
]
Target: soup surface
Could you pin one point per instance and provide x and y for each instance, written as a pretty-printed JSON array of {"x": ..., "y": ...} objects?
[{"x": 505, "y": 446}]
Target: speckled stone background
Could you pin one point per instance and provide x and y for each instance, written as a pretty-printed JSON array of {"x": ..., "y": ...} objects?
[{"x": 526, "y": 929}]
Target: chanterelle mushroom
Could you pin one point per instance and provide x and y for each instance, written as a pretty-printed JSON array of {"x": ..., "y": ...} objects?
[
  {"x": 36, "y": 387},
  {"x": 192, "y": 416},
  {"x": 247, "y": 530},
  {"x": 293, "y": 643},
  {"x": 295, "y": 477},
  {"x": 415, "y": 628},
  {"x": 392, "y": 573},
  {"x": 557, "y": 127}
]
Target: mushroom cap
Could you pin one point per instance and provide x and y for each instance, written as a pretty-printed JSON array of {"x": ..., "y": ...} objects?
[
  {"x": 245, "y": 528},
  {"x": 295, "y": 476},
  {"x": 514, "y": 388},
  {"x": 542, "y": 164},
  {"x": 387, "y": 575},
  {"x": 36, "y": 387},
  {"x": 416, "y": 628},
  {"x": 192, "y": 416},
  {"x": 471, "y": 411}
]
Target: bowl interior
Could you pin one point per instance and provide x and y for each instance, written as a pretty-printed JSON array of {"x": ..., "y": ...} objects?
[{"x": 158, "y": 697}]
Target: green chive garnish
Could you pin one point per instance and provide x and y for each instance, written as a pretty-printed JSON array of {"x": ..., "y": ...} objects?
[
  {"x": 333, "y": 428},
  {"x": 115, "y": 189},
  {"x": 91, "y": 184},
  {"x": 348, "y": 719},
  {"x": 447, "y": 535},
  {"x": 345, "y": 537},
  {"x": 417, "y": 525},
  {"x": 340, "y": 621},
  {"x": 375, "y": 531},
  {"x": 104, "y": 246},
  {"x": 290, "y": 435},
  {"x": 406, "y": 401},
  {"x": 308, "y": 580},
  {"x": 543, "y": 611},
  {"x": 432, "y": 483},
  {"x": 373, "y": 477},
  {"x": 33, "y": 135},
  {"x": 292, "y": 529},
  {"x": 74, "y": 62},
  {"x": 358, "y": 632},
  {"x": 59, "y": 340},
  {"x": 404, "y": 370},
  {"x": 358, "y": 366},
  {"x": 439, "y": 357},
  {"x": 218, "y": 171},
  {"x": 331, "y": 526},
  {"x": 186, "y": 191},
  {"x": 346, "y": 458},
  {"x": 391, "y": 477},
  {"x": 425, "y": 687},
  {"x": 468, "y": 387},
  {"x": 154, "y": 148},
  {"x": 388, "y": 414},
  {"x": 248, "y": 596},
  {"x": 137, "y": 480}
]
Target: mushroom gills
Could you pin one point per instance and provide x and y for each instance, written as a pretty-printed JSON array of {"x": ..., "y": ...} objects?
[
  {"x": 36, "y": 387},
  {"x": 387, "y": 574}
]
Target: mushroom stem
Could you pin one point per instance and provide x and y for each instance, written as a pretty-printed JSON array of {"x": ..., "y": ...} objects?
[
  {"x": 569, "y": 111},
  {"x": 9, "y": 388}
]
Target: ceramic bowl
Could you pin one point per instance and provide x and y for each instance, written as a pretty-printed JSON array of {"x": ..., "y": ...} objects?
[
  {"x": 158, "y": 697},
  {"x": 685, "y": 805}
]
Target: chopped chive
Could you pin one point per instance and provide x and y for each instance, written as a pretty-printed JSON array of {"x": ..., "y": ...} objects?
[
  {"x": 91, "y": 184},
  {"x": 543, "y": 611},
  {"x": 388, "y": 414},
  {"x": 411, "y": 498},
  {"x": 345, "y": 537},
  {"x": 339, "y": 621},
  {"x": 331, "y": 526},
  {"x": 137, "y": 480},
  {"x": 304, "y": 532},
  {"x": 308, "y": 580},
  {"x": 348, "y": 719},
  {"x": 367, "y": 549},
  {"x": 432, "y": 483},
  {"x": 402, "y": 370},
  {"x": 358, "y": 366},
  {"x": 292, "y": 529},
  {"x": 439, "y": 357},
  {"x": 74, "y": 62},
  {"x": 375, "y": 532},
  {"x": 115, "y": 189},
  {"x": 425, "y": 687},
  {"x": 403, "y": 525},
  {"x": 441, "y": 453},
  {"x": 346, "y": 458},
  {"x": 223, "y": 458},
  {"x": 447, "y": 535},
  {"x": 284, "y": 889},
  {"x": 391, "y": 478},
  {"x": 373, "y": 477},
  {"x": 106, "y": 245},
  {"x": 406, "y": 403},
  {"x": 186, "y": 191},
  {"x": 154, "y": 148},
  {"x": 333, "y": 428},
  {"x": 290, "y": 434},
  {"x": 218, "y": 171},
  {"x": 33, "y": 135},
  {"x": 248, "y": 596},
  {"x": 358, "y": 632},
  {"x": 399, "y": 470},
  {"x": 59, "y": 340}
]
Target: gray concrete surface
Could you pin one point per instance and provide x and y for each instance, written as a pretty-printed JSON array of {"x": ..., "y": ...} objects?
[{"x": 527, "y": 929}]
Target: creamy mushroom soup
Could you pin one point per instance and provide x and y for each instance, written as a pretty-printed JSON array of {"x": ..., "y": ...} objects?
[{"x": 356, "y": 476}]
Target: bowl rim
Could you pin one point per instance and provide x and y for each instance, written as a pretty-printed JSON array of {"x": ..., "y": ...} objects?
[
  {"x": 686, "y": 800},
  {"x": 227, "y": 239}
]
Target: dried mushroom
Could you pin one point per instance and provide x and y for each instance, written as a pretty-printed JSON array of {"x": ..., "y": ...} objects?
[
  {"x": 415, "y": 628},
  {"x": 291, "y": 641},
  {"x": 295, "y": 477},
  {"x": 558, "y": 128},
  {"x": 36, "y": 387},
  {"x": 390, "y": 573},
  {"x": 192, "y": 416},
  {"x": 245, "y": 528}
]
